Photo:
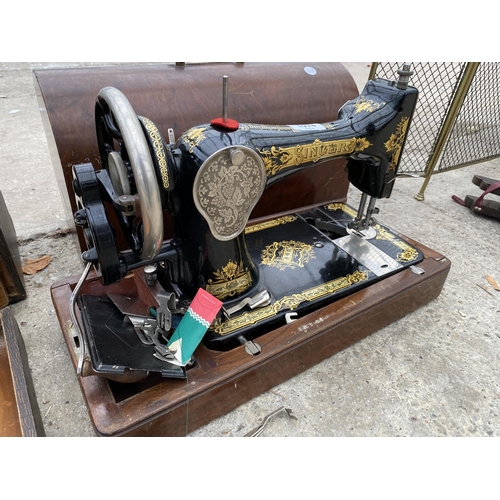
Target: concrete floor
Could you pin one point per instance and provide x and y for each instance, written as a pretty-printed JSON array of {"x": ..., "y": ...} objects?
[{"x": 434, "y": 373}]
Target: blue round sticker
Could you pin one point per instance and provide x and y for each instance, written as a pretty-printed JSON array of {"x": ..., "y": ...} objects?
[{"x": 309, "y": 70}]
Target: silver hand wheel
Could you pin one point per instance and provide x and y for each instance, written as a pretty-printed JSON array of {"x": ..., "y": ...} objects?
[{"x": 116, "y": 121}]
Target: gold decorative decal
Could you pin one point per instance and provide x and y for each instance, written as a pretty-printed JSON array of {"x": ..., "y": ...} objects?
[
  {"x": 154, "y": 135},
  {"x": 342, "y": 206},
  {"x": 287, "y": 254},
  {"x": 233, "y": 279},
  {"x": 407, "y": 254},
  {"x": 395, "y": 143},
  {"x": 277, "y": 159},
  {"x": 193, "y": 137},
  {"x": 288, "y": 303},
  {"x": 364, "y": 104},
  {"x": 270, "y": 223},
  {"x": 383, "y": 234}
]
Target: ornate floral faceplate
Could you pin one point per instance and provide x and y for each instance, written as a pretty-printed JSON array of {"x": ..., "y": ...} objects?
[{"x": 225, "y": 193}]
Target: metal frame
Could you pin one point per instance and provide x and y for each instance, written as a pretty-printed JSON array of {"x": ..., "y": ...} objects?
[{"x": 460, "y": 92}]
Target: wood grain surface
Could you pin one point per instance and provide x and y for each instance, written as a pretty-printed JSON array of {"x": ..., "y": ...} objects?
[
  {"x": 221, "y": 381},
  {"x": 181, "y": 97},
  {"x": 19, "y": 411}
]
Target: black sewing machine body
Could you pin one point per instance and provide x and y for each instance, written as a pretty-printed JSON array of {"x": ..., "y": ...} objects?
[
  {"x": 211, "y": 178},
  {"x": 372, "y": 143}
]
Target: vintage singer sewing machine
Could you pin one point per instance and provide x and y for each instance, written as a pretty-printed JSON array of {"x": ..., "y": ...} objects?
[
  {"x": 162, "y": 217},
  {"x": 210, "y": 180}
]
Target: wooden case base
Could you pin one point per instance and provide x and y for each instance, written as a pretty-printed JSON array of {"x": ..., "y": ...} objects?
[
  {"x": 19, "y": 411},
  {"x": 222, "y": 381}
]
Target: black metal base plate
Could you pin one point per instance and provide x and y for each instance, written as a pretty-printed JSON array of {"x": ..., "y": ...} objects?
[
  {"x": 113, "y": 344},
  {"x": 304, "y": 268}
]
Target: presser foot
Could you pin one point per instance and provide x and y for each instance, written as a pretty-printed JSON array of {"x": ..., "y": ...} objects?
[
  {"x": 363, "y": 224},
  {"x": 367, "y": 233}
]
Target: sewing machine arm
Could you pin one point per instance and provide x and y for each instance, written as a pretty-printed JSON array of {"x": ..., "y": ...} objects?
[{"x": 213, "y": 176}]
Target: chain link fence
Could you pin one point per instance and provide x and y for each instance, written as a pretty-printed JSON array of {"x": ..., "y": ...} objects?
[
  {"x": 457, "y": 118},
  {"x": 475, "y": 136}
]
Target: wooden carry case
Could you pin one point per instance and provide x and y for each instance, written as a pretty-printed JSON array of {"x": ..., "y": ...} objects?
[
  {"x": 180, "y": 97},
  {"x": 222, "y": 381},
  {"x": 19, "y": 411},
  {"x": 183, "y": 96}
]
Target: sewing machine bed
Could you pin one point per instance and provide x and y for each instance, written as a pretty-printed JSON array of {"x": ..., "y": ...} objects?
[
  {"x": 307, "y": 260},
  {"x": 220, "y": 381}
]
